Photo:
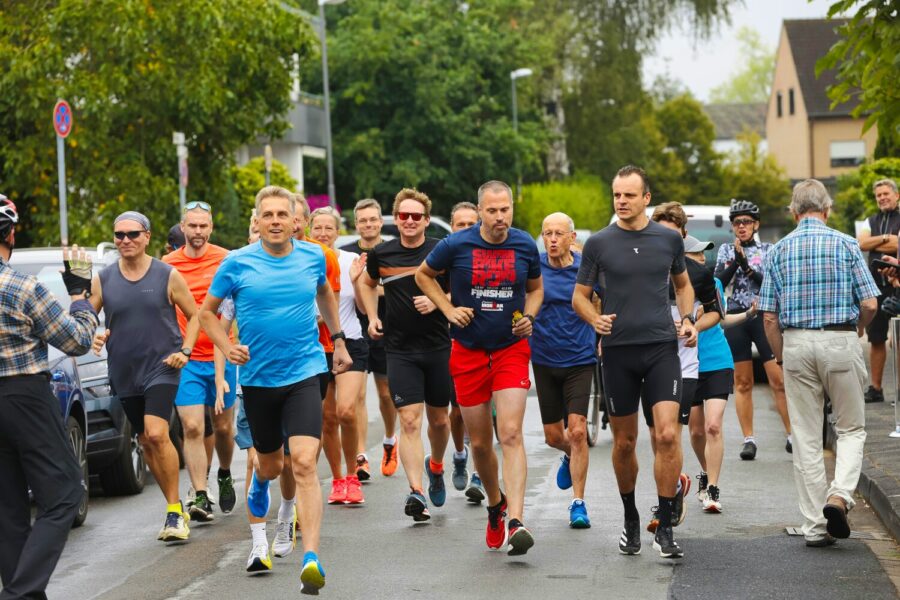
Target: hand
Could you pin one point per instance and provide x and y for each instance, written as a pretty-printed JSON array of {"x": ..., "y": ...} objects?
[
  {"x": 423, "y": 304},
  {"x": 99, "y": 340},
  {"x": 357, "y": 267},
  {"x": 738, "y": 249},
  {"x": 603, "y": 324},
  {"x": 892, "y": 275},
  {"x": 523, "y": 327},
  {"x": 77, "y": 272},
  {"x": 176, "y": 360},
  {"x": 460, "y": 316},
  {"x": 376, "y": 330},
  {"x": 341, "y": 359},
  {"x": 754, "y": 308},
  {"x": 238, "y": 354},
  {"x": 222, "y": 388},
  {"x": 689, "y": 332}
]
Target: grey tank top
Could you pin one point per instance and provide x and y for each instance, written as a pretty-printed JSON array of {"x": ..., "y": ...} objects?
[{"x": 143, "y": 329}]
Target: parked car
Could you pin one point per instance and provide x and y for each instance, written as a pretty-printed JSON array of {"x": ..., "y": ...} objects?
[
  {"x": 101, "y": 435},
  {"x": 437, "y": 228}
]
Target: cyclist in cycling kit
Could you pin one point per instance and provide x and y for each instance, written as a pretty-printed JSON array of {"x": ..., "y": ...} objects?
[{"x": 740, "y": 265}]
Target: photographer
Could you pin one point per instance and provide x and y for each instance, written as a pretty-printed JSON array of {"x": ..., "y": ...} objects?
[{"x": 34, "y": 450}]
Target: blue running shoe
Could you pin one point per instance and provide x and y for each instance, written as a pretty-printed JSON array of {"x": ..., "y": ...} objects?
[
  {"x": 312, "y": 575},
  {"x": 436, "y": 490},
  {"x": 460, "y": 473},
  {"x": 563, "y": 475},
  {"x": 578, "y": 517},
  {"x": 258, "y": 497},
  {"x": 416, "y": 506},
  {"x": 475, "y": 490}
]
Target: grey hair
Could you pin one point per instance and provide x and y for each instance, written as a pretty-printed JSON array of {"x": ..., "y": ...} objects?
[
  {"x": 461, "y": 206},
  {"x": 809, "y": 196},
  {"x": 364, "y": 204},
  {"x": 326, "y": 210},
  {"x": 494, "y": 186},
  {"x": 300, "y": 199},
  {"x": 888, "y": 182},
  {"x": 557, "y": 215},
  {"x": 274, "y": 191}
]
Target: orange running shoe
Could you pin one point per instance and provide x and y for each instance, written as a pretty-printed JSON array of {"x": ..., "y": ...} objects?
[
  {"x": 389, "y": 460},
  {"x": 354, "y": 493},
  {"x": 338, "y": 491},
  {"x": 362, "y": 468}
]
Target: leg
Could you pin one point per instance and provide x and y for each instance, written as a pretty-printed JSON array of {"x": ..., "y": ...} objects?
[
  {"x": 438, "y": 431},
  {"x": 412, "y": 455},
  {"x": 347, "y": 386},
  {"x": 195, "y": 457},
  {"x": 877, "y": 359},
  {"x": 386, "y": 404},
  {"x": 224, "y": 431},
  {"x": 331, "y": 441},
  {"x": 555, "y": 436},
  {"x": 624, "y": 458},
  {"x": 776, "y": 382},
  {"x": 15, "y": 518},
  {"x": 304, "y": 451},
  {"x": 697, "y": 427},
  {"x": 457, "y": 429},
  {"x": 480, "y": 426},
  {"x": 713, "y": 411},
  {"x": 161, "y": 456},
  {"x": 362, "y": 419},
  {"x": 251, "y": 465},
  {"x": 743, "y": 395},
  {"x": 577, "y": 433},
  {"x": 667, "y": 465}
]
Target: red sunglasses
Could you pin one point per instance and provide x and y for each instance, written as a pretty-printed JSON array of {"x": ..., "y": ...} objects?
[{"x": 403, "y": 216}]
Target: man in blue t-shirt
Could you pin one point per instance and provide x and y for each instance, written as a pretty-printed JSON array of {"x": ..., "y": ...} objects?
[
  {"x": 564, "y": 369},
  {"x": 495, "y": 292},
  {"x": 276, "y": 286}
]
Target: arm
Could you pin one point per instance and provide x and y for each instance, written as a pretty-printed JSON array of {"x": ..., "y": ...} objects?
[
  {"x": 584, "y": 306},
  {"x": 684, "y": 299},
  {"x": 71, "y": 332},
  {"x": 773, "y": 334},
  {"x": 534, "y": 297},
  {"x": 426, "y": 279},
  {"x": 180, "y": 295},
  {"x": 707, "y": 321},
  {"x": 328, "y": 307},
  {"x": 867, "y": 310},
  {"x": 725, "y": 269},
  {"x": 369, "y": 298},
  {"x": 209, "y": 320},
  {"x": 877, "y": 243},
  {"x": 729, "y": 321}
]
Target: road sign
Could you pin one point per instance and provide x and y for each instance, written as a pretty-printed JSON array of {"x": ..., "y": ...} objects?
[{"x": 62, "y": 118}]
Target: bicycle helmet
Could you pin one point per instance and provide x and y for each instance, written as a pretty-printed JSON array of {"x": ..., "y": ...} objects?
[
  {"x": 8, "y": 217},
  {"x": 743, "y": 207}
]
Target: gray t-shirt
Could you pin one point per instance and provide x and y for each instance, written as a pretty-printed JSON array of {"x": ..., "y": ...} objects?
[{"x": 631, "y": 270}]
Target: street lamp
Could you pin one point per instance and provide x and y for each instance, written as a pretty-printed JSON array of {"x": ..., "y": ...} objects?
[
  {"x": 331, "y": 194},
  {"x": 513, "y": 75}
]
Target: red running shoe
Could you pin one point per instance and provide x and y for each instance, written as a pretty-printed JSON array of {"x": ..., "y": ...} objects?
[
  {"x": 338, "y": 491},
  {"x": 354, "y": 493},
  {"x": 495, "y": 535}
]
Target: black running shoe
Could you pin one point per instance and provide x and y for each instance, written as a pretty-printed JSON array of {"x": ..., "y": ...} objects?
[
  {"x": 200, "y": 509},
  {"x": 227, "y": 496},
  {"x": 665, "y": 543},
  {"x": 630, "y": 542},
  {"x": 748, "y": 451},
  {"x": 679, "y": 510},
  {"x": 872, "y": 395}
]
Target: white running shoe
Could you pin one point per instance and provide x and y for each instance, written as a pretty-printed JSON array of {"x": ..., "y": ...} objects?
[
  {"x": 712, "y": 504},
  {"x": 259, "y": 560},
  {"x": 285, "y": 538}
]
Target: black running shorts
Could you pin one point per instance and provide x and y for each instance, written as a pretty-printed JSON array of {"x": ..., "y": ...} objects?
[
  {"x": 563, "y": 390},
  {"x": 377, "y": 362},
  {"x": 688, "y": 388},
  {"x": 420, "y": 377},
  {"x": 283, "y": 412},
  {"x": 157, "y": 401},
  {"x": 714, "y": 384},
  {"x": 641, "y": 374},
  {"x": 741, "y": 336}
]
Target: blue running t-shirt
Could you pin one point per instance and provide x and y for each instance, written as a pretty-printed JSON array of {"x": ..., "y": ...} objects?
[
  {"x": 489, "y": 278},
  {"x": 561, "y": 338},
  {"x": 715, "y": 353},
  {"x": 275, "y": 304}
]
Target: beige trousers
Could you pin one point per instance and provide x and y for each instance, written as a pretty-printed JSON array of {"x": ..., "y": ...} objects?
[{"x": 816, "y": 363}]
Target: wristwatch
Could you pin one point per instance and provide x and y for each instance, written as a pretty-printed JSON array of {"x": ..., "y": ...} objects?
[
  {"x": 529, "y": 317},
  {"x": 186, "y": 352},
  {"x": 689, "y": 318},
  {"x": 338, "y": 336}
]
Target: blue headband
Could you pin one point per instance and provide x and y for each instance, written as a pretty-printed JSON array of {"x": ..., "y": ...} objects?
[{"x": 133, "y": 215}]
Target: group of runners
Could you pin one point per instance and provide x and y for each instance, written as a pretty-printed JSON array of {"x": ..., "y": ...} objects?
[{"x": 292, "y": 324}]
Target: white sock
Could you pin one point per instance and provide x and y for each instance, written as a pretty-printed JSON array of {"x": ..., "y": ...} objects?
[
  {"x": 390, "y": 441},
  {"x": 750, "y": 438},
  {"x": 286, "y": 510},
  {"x": 790, "y": 438},
  {"x": 364, "y": 455},
  {"x": 258, "y": 531},
  {"x": 460, "y": 455}
]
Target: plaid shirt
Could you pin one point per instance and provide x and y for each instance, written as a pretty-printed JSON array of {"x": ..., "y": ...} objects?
[
  {"x": 31, "y": 318},
  {"x": 814, "y": 277}
]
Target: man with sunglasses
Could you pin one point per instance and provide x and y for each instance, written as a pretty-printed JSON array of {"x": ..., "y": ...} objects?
[
  {"x": 197, "y": 260},
  {"x": 146, "y": 350},
  {"x": 417, "y": 343}
]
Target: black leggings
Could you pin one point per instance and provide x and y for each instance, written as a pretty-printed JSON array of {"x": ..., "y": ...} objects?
[{"x": 283, "y": 412}]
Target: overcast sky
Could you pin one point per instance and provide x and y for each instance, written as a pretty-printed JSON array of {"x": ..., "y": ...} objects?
[{"x": 706, "y": 65}]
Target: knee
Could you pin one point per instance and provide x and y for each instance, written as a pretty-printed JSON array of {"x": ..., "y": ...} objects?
[
  {"x": 509, "y": 436},
  {"x": 743, "y": 385},
  {"x": 698, "y": 435},
  {"x": 304, "y": 467},
  {"x": 409, "y": 424},
  {"x": 554, "y": 438},
  {"x": 158, "y": 437},
  {"x": 269, "y": 470},
  {"x": 193, "y": 430},
  {"x": 346, "y": 415},
  {"x": 713, "y": 430},
  {"x": 666, "y": 438},
  {"x": 577, "y": 433},
  {"x": 440, "y": 423},
  {"x": 224, "y": 428}
]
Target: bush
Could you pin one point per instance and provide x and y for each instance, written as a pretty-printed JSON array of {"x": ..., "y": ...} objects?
[
  {"x": 855, "y": 199},
  {"x": 585, "y": 199}
]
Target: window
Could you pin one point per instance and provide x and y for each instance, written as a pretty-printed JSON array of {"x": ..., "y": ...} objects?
[
  {"x": 778, "y": 104},
  {"x": 791, "y": 101},
  {"x": 848, "y": 154}
]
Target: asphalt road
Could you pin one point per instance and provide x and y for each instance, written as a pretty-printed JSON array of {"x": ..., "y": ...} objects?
[{"x": 375, "y": 551}]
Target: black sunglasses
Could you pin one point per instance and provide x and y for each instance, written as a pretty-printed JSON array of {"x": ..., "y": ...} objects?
[{"x": 131, "y": 235}]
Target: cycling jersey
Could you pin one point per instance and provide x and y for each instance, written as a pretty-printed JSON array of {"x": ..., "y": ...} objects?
[{"x": 744, "y": 288}]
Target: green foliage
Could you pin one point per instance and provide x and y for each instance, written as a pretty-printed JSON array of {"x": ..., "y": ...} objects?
[
  {"x": 585, "y": 199},
  {"x": 867, "y": 59},
  {"x": 756, "y": 176},
  {"x": 753, "y": 81},
  {"x": 251, "y": 178},
  {"x": 855, "y": 199},
  {"x": 134, "y": 71}
]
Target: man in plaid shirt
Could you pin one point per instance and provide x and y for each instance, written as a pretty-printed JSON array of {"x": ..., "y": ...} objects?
[
  {"x": 817, "y": 293},
  {"x": 34, "y": 450}
]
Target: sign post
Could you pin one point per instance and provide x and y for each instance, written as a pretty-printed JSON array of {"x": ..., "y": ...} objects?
[
  {"x": 62, "y": 124},
  {"x": 182, "y": 153},
  {"x": 268, "y": 155}
]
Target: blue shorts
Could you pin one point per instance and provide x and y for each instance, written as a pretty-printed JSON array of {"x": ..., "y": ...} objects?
[
  {"x": 198, "y": 384},
  {"x": 242, "y": 436}
]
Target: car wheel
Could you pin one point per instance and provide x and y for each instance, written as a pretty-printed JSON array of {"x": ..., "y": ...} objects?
[
  {"x": 595, "y": 401},
  {"x": 79, "y": 448},
  {"x": 128, "y": 473}
]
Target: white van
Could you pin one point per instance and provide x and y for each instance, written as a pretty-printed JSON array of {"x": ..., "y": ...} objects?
[{"x": 706, "y": 223}]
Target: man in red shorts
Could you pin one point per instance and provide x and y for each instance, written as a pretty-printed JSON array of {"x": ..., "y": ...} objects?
[{"x": 496, "y": 289}]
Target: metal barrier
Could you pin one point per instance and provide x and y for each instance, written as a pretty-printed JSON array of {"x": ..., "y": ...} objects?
[{"x": 895, "y": 340}]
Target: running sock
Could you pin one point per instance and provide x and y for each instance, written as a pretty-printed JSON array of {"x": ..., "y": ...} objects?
[
  {"x": 364, "y": 455},
  {"x": 750, "y": 438},
  {"x": 258, "y": 531},
  {"x": 678, "y": 486},
  {"x": 224, "y": 473},
  {"x": 460, "y": 455},
  {"x": 513, "y": 523},
  {"x": 286, "y": 510},
  {"x": 666, "y": 506},
  {"x": 436, "y": 467},
  {"x": 499, "y": 504},
  {"x": 631, "y": 511},
  {"x": 390, "y": 441},
  {"x": 175, "y": 508}
]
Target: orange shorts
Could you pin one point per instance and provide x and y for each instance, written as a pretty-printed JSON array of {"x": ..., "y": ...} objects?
[{"x": 479, "y": 373}]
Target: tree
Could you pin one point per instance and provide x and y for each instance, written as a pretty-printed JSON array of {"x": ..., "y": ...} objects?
[
  {"x": 866, "y": 62},
  {"x": 585, "y": 199},
  {"x": 753, "y": 81},
  {"x": 132, "y": 79},
  {"x": 855, "y": 199},
  {"x": 756, "y": 176}
]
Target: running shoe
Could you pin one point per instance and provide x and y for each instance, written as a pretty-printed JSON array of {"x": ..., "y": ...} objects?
[
  {"x": 665, "y": 543},
  {"x": 578, "y": 517},
  {"x": 312, "y": 576},
  {"x": 496, "y": 528},
  {"x": 475, "y": 490},
  {"x": 416, "y": 506},
  {"x": 338, "y": 491},
  {"x": 201, "y": 509},
  {"x": 362, "y": 468},
  {"x": 227, "y": 497},
  {"x": 563, "y": 474},
  {"x": 789, "y": 445},
  {"x": 872, "y": 395},
  {"x": 258, "y": 497},
  {"x": 259, "y": 560},
  {"x": 285, "y": 536},
  {"x": 520, "y": 539},
  {"x": 353, "y": 490},
  {"x": 702, "y": 483},
  {"x": 654, "y": 520},
  {"x": 176, "y": 528},
  {"x": 460, "y": 472},
  {"x": 679, "y": 511},
  {"x": 630, "y": 541},
  {"x": 437, "y": 492},
  {"x": 712, "y": 504},
  {"x": 748, "y": 450},
  {"x": 389, "y": 460}
]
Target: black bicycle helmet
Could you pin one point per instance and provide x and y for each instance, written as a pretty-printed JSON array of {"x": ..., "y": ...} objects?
[
  {"x": 743, "y": 207},
  {"x": 8, "y": 217}
]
